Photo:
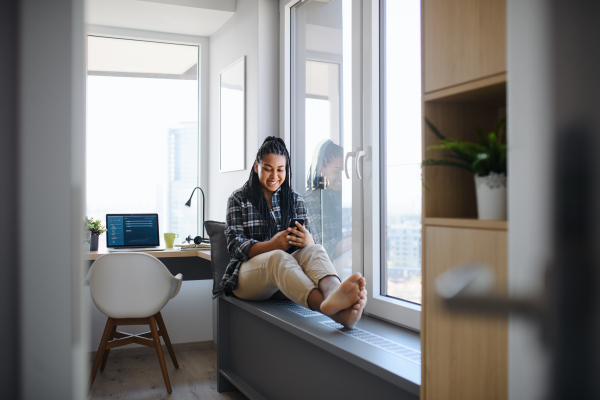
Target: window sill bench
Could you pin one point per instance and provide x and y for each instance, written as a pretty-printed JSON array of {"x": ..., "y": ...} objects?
[{"x": 269, "y": 352}]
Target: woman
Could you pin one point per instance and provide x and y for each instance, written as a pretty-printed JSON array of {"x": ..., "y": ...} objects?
[
  {"x": 260, "y": 242},
  {"x": 324, "y": 203}
]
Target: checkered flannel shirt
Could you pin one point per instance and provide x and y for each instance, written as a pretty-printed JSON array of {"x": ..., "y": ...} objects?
[
  {"x": 326, "y": 218},
  {"x": 243, "y": 230}
]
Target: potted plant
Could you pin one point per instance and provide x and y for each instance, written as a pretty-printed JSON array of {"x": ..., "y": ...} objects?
[
  {"x": 486, "y": 159},
  {"x": 96, "y": 229}
]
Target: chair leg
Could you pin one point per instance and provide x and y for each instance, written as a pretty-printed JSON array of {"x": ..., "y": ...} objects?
[
  {"x": 165, "y": 335},
  {"x": 100, "y": 354},
  {"x": 112, "y": 336},
  {"x": 161, "y": 358}
]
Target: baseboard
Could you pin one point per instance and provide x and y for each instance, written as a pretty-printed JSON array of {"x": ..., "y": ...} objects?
[{"x": 144, "y": 350}]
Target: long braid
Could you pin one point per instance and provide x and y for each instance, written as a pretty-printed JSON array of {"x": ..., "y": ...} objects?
[{"x": 254, "y": 193}]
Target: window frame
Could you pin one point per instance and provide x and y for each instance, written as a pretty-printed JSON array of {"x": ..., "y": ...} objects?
[
  {"x": 367, "y": 34},
  {"x": 203, "y": 78},
  {"x": 397, "y": 311}
]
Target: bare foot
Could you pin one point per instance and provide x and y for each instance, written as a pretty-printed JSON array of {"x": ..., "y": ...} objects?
[
  {"x": 344, "y": 296},
  {"x": 350, "y": 316},
  {"x": 362, "y": 284}
]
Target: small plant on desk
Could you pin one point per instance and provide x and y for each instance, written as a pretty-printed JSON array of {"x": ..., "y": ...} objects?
[{"x": 96, "y": 229}]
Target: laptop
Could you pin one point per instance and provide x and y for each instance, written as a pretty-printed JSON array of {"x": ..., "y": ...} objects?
[{"x": 132, "y": 232}]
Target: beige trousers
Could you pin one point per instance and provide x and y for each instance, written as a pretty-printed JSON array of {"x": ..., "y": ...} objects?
[{"x": 296, "y": 275}]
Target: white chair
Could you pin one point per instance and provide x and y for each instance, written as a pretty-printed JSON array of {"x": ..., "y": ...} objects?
[{"x": 131, "y": 289}]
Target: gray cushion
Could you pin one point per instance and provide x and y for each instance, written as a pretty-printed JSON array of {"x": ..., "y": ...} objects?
[{"x": 218, "y": 252}]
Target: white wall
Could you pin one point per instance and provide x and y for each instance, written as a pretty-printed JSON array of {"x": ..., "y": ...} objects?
[
  {"x": 253, "y": 31},
  {"x": 529, "y": 138},
  {"x": 268, "y": 71},
  {"x": 236, "y": 38},
  {"x": 51, "y": 140}
]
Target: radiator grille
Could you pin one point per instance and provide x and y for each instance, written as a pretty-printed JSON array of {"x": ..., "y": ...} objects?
[
  {"x": 378, "y": 341},
  {"x": 293, "y": 307}
]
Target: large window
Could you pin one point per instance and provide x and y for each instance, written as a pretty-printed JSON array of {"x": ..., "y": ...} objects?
[
  {"x": 400, "y": 154},
  {"x": 142, "y": 131},
  {"x": 354, "y": 87}
]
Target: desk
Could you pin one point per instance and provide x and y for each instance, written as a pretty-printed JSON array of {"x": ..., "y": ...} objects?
[{"x": 193, "y": 265}]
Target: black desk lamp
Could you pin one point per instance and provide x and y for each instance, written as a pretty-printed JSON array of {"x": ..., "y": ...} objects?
[{"x": 189, "y": 204}]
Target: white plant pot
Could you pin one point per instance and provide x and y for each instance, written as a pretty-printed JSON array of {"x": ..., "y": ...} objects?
[{"x": 491, "y": 196}]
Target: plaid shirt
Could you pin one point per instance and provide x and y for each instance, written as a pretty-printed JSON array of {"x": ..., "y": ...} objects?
[
  {"x": 326, "y": 218},
  {"x": 243, "y": 230}
]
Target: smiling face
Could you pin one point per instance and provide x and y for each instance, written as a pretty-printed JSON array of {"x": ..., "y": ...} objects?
[
  {"x": 271, "y": 173},
  {"x": 333, "y": 171}
]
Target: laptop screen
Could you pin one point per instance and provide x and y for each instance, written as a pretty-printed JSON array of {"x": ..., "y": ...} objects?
[{"x": 139, "y": 230}]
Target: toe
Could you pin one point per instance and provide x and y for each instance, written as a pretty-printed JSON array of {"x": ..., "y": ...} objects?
[{"x": 356, "y": 277}]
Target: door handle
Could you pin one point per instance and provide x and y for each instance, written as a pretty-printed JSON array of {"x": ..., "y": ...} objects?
[
  {"x": 348, "y": 155},
  {"x": 357, "y": 154}
]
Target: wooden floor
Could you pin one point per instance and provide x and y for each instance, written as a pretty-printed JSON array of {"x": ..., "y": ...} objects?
[{"x": 139, "y": 377}]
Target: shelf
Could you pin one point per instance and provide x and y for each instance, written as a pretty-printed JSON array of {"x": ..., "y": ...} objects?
[
  {"x": 489, "y": 91},
  {"x": 169, "y": 253},
  {"x": 467, "y": 223}
]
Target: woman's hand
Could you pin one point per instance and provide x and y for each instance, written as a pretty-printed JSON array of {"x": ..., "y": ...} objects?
[
  {"x": 281, "y": 240},
  {"x": 300, "y": 236}
]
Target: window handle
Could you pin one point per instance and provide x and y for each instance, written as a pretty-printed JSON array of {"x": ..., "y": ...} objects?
[
  {"x": 348, "y": 155},
  {"x": 357, "y": 153}
]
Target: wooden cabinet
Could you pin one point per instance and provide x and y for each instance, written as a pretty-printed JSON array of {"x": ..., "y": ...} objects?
[
  {"x": 464, "y": 87},
  {"x": 465, "y": 356},
  {"x": 463, "y": 40}
]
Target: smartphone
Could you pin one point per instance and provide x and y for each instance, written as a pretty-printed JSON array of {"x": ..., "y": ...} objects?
[{"x": 294, "y": 220}]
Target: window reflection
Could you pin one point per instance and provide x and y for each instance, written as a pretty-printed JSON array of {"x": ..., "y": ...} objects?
[{"x": 321, "y": 131}]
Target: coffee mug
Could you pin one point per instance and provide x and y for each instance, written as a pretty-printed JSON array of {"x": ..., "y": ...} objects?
[{"x": 170, "y": 239}]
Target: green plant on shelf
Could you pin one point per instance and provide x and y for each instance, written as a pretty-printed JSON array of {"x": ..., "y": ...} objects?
[
  {"x": 481, "y": 158},
  {"x": 94, "y": 226}
]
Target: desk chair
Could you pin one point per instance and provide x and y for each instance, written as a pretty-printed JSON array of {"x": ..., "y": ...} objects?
[{"x": 131, "y": 289}]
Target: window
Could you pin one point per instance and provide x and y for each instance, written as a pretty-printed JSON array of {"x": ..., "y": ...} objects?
[
  {"x": 321, "y": 90},
  {"x": 352, "y": 86},
  {"x": 393, "y": 193},
  {"x": 400, "y": 153},
  {"x": 142, "y": 131}
]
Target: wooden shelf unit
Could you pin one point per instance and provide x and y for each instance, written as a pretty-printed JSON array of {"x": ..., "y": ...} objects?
[
  {"x": 488, "y": 90},
  {"x": 468, "y": 223},
  {"x": 457, "y": 112},
  {"x": 464, "y": 88}
]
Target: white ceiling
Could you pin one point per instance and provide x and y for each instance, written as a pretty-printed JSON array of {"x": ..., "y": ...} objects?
[
  {"x": 186, "y": 17},
  {"x": 134, "y": 56}
]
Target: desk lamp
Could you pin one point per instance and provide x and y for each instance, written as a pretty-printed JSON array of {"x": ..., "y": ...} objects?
[{"x": 188, "y": 204}]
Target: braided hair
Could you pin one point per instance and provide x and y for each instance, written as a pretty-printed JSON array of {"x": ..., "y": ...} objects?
[
  {"x": 254, "y": 193},
  {"x": 327, "y": 152}
]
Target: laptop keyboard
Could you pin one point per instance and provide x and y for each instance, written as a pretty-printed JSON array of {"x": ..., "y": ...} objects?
[{"x": 132, "y": 247}]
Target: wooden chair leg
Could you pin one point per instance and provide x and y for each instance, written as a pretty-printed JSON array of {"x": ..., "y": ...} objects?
[
  {"x": 161, "y": 358},
  {"x": 108, "y": 329},
  {"x": 112, "y": 336},
  {"x": 165, "y": 335}
]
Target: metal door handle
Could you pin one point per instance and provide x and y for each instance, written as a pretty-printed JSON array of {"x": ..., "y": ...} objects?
[{"x": 467, "y": 288}]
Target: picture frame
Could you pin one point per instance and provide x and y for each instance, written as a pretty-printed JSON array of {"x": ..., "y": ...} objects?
[{"x": 232, "y": 110}]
